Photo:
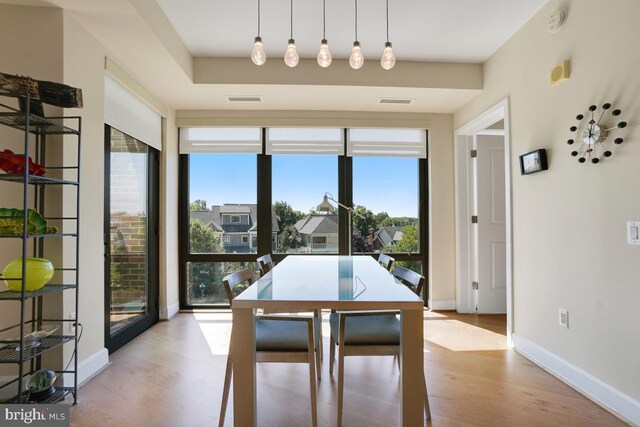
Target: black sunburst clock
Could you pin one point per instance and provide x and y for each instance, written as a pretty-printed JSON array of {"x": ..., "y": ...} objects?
[{"x": 593, "y": 131}]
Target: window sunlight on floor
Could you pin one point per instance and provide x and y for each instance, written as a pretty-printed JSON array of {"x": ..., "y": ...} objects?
[
  {"x": 439, "y": 329},
  {"x": 455, "y": 335},
  {"x": 216, "y": 330}
]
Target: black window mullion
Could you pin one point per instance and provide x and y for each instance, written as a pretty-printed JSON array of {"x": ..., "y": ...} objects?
[
  {"x": 264, "y": 200},
  {"x": 423, "y": 219},
  {"x": 183, "y": 220},
  {"x": 345, "y": 196}
]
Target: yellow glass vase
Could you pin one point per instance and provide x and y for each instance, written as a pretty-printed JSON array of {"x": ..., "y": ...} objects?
[{"x": 39, "y": 272}]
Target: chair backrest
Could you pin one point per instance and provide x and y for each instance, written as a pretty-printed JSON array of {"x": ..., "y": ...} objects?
[
  {"x": 386, "y": 261},
  {"x": 237, "y": 282},
  {"x": 265, "y": 263},
  {"x": 410, "y": 278}
]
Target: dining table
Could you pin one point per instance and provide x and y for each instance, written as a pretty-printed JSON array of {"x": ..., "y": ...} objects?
[{"x": 337, "y": 282}]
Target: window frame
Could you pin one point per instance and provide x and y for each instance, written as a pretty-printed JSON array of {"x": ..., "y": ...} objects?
[{"x": 264, "y": 209}]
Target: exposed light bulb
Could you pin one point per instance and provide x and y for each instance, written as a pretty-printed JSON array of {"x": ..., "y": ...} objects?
[
  {"x": 324, "y": 56},
  {"x": 356, "y": 60},
  {"x": 388, "y": 59},
  {"x": 291, "y": 57},
  {"x": 258, "y": 55}
]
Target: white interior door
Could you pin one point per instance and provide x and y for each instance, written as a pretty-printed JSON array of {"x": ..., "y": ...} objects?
[{"x": 490, "y": 231}]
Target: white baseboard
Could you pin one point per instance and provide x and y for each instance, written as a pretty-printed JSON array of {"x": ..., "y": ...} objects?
[
  {"x": 595, "y": 389},
  {"x": 169, "y": 312},
  {"x": 442, "y": 304},
  {"x": 92, "y": 366}
]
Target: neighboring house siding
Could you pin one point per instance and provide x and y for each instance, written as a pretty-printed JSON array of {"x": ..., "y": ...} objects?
[
  {"x": 228, "y": 219},
  {"x": 319, "y": 232},
  {"x": 235, "y": 235}
]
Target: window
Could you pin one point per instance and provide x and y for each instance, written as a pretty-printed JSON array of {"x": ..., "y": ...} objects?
[
  {"x": 298, "y": 186},
  {"x": 293, "y": 182},
  {"x": 387, "y": 216},
  {"x": 304, "y": 168},
  {"x": 219, "y": 193},
  {"x": 389, "y": 220}
]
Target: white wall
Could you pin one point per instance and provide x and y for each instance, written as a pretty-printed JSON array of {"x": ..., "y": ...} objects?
[{"x": 569, "y": 223}]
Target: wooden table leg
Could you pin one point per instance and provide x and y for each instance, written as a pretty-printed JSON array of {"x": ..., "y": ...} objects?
[
  {"x": 412, "y": 370},
  {"x": 244, "y": 368}
]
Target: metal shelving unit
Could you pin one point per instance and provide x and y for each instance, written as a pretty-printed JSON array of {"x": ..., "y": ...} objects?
[{"x": 15, "y": 350}]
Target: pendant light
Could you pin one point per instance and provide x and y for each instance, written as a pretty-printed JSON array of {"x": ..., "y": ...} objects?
[
  {"x": 291, "y": 57},
  {"x": 258, "y": 55},
  {"x": 356, "y": 60},
  {"x": 324, "y": 56},
  {"x": 388, "y": 59}
]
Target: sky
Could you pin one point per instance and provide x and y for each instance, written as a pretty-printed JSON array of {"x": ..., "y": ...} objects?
[{"x": 381, "y": 184}]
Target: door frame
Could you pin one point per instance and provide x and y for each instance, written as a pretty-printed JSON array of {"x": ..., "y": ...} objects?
[
  {"x": 114, "y": 342},
  {"x": 463, "y": 140}
]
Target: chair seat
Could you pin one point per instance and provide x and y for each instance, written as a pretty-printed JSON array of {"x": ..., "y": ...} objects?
[
  {"x": 367, "y": 330},
  {"x": 289, "y": 336}
]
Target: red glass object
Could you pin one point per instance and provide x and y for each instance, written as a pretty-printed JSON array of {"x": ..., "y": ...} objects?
[{"x": 15, "y": 164}]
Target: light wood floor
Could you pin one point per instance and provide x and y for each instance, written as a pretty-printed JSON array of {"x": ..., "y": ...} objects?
[{"x": 172, "y": 376}]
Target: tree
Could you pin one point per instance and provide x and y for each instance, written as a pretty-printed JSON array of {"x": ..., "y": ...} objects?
[
  {"x": 202, "y": 239},
  {"x": 290, "y": 238},
  {"x": 401, "y": 221},
  {"x": 204, "y": 278},
  {"x": 407, "y": 244},
  {"x": 364, "y": 220},
  {"x": 409, "y": 240},
  {"x": 198, "y": 206},
  {"x": 286, "y": 214},
  {"x": 381, "y": 216}
]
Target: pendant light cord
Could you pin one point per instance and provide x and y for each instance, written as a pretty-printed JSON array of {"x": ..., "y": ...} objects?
[
  {"x": 387, "y": 21},
  {"x": 324, "y": 19},
  {"x": 291, "y": 20},
  {"x": 356, "y": 20},
  {"x": 258, "y": 18}
]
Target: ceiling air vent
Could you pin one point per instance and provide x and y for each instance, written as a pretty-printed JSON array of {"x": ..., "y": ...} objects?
[
  {"x": 396, "y": 100},
  {"x": 244, "y": 98}
]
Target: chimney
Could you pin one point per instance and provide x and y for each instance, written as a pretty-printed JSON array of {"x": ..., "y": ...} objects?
[{"x": 371, "y": 237}]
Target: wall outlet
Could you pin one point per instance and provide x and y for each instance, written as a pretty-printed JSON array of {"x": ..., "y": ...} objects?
[
  {"x": 633, "y": 232},
  {"x": 564, "y": 318}
]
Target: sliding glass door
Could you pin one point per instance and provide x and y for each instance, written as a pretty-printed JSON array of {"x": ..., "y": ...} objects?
[{"x": 131, "y": 240}]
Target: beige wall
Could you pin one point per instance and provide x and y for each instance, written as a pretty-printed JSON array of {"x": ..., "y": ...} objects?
[
  {"x": 84, "y": 68},
  {"x": 169, "y": 233},
  {"x": 57, "y": 48},
  {"x": 569, "y": 223},
  {"x": 36, "y": 53}
]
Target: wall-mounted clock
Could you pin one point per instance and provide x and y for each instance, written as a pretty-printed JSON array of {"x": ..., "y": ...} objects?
[{"x": 593, "y": 131}]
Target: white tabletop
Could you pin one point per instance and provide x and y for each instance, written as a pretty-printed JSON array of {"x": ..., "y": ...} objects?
[{"x": 328, "y": 281}]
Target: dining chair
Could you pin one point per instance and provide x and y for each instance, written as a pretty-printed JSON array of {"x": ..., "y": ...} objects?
[
  {"x": 266, "y": 265},
  {"x": 386, "y": 261},
  {"x": 289, "y": 339},
  {"x": 370, "y": 333}
]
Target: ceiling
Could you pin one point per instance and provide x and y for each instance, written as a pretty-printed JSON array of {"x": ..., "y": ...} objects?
[
  {"x": 420, "y": 30},
  {"x": 161, "y": 42}
]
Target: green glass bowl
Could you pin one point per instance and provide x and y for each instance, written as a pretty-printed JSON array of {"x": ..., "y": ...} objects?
[{"x": 39, "y": 272}]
